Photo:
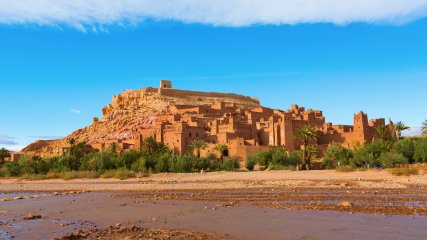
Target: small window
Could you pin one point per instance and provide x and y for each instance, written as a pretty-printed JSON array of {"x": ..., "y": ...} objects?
[
  {"x": 189, "y": 134},
  {"x": 197, "y": 134}
]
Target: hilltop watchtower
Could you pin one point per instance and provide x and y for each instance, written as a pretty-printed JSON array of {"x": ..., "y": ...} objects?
[{"x": 165, "y": 84}]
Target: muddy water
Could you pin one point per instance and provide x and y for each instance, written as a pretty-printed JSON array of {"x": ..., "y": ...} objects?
[{"x": 69, "y": 213}]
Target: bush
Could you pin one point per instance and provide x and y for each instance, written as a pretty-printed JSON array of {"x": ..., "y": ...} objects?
[
  {"x": 369, "y": 154},
  {"x": 126, "y": 159},
  {"x": 406, "y": 147},
  {"x": 14, "y": 169},
  {"x": 294, "y": 158},
  {"x": 78, "y": 174},
  {"x": 162, "y": 164},
  {"x": 277, "y": 156},
  {"x": 181, "y": 164},
  {"x": 250, "y": 163},
  {"x": 420, "y": 150},
  {"x": 344, "y": 169},
  {"x": 4, "y": 171},
  {"x": 231, "y": 164},
  {"x": 336, "y": 155},
  {"x": 264, "y": 158},
  {"x": 390, "y": 159},
  {"x": 404, "y": 171},
  {"x": 139, "y": 165},
  {"x": 203, "y": 163}
]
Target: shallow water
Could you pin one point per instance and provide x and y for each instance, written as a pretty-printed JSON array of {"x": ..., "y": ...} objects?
[{"x": 99, "y": 210}]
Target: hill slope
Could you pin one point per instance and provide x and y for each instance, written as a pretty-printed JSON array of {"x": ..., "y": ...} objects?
[{"x": 132, "y": 110}]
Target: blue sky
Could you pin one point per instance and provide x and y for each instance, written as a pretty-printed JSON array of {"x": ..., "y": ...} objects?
[{"x": 57, "y": 73}]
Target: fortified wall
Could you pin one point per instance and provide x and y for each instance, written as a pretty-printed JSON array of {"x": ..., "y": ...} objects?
[
  {"x": 178, "y": 117},
  {"x": 167, "y": 90}
]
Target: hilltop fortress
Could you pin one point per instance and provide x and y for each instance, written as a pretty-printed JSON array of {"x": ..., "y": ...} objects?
[{"x": 177, "y": 117}]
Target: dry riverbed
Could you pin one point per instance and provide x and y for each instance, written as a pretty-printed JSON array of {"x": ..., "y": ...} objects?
[{"x": 237, "y": 205}]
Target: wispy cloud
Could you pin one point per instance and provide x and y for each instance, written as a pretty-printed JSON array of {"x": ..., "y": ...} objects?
[
  {"x": 414, "y": 131},
  {"x": 94, "y": 14},
  {"x": 76, "y": 111},
  {"x": 7, "y": 140}
]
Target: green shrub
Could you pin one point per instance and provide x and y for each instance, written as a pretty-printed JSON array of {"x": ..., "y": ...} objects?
[
  {"x": 406, "y": 171},
  {"x": 162, "y": 164},
  {"x": 89, "y": 162},
  {"x": 406, "y": 147},
  {"x": 203, "y": 163},
  {"x": 108, "y": 174},
  {"x": 250, "y": 163},
  {"x": 181, "y": 164},
  {"x": 294, "y": 158},
  {"x": 390, "y": 159},
  {"x": 78, "y": 175},
  {"x": 369, "y": 154},
  {"x": 264, "y": 158},
  {"x": 336, "y": 155},
  {"x": 14, "y": 169},
  {"x": 127, "y": 158},
  {"x": 139, "y": 165},
  {"x": 231, "y": 164},
  {"x": 420, "y": 150},
  {"x": 4, "y": 171},
  {"x": 277, "y": 156}
]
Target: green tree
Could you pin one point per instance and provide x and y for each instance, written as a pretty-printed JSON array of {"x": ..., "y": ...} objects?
[
  {"x": 4, "y": 153},
  {"x": 399, "y": 127},
  {"x": 72, "y": 142},
  {"x": 420, "y": 151},
  {"x": 337, "y": 155},
  {"x": 424, "y": 128},
  {"x": 222, "y": 149},
  {"x": 382, "y": 133},
  {"x": 306, "y": 134},
  {"x": 151, "y": 147},
  {"x": 198, "y": 145}
]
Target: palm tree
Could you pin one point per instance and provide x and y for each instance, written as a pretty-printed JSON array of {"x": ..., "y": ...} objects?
[
  {"x": 306, "y": 134},
  {"x": 382, "y": 132},
  {"x": 221, "y": 148},
  {"x": 72, "y": 142},
  {"x": 4, "y": 153},
  {"x": 151, "y": 147},
  {"x": 424, "y": 128},
  {"x": 198, "y": 145},
  {"x": 399, "y": 127}
]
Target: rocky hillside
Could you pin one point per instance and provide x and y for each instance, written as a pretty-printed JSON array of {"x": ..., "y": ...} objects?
[{"x": 129, "y": 111}]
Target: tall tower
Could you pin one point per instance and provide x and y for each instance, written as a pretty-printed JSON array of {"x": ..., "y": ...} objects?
[
  {"x": 361, "y": 132},
  {"x": 165, "y": 84}
]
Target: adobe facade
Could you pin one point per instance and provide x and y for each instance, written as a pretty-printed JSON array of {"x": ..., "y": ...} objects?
[{"x": 245, "y": 129}]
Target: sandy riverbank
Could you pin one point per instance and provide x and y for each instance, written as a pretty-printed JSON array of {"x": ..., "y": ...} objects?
[{"x": 221, "y": 180}]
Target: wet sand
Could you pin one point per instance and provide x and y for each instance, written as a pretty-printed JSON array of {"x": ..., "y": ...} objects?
[{"x": 256, "y": 206}]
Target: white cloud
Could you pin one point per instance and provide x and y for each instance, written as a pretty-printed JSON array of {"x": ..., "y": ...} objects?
[
  {"x": 7, "y": 140},
  {"x": 413, "y": 132},
  {"x": 76, "y": 111},
  {"x": 90, "y": 14}
]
